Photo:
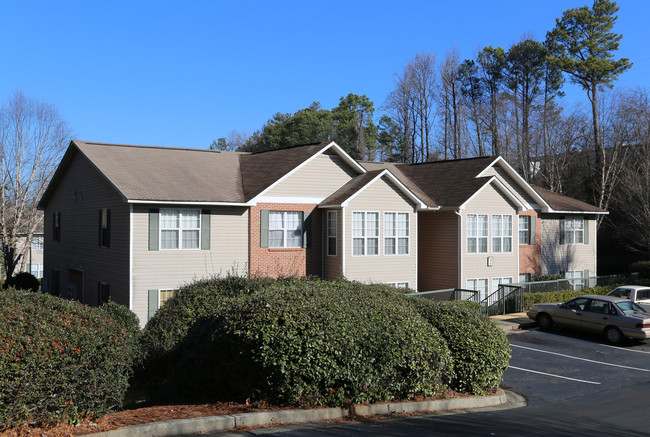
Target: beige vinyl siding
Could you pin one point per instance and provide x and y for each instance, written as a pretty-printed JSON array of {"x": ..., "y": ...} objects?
[
  {"x": 79, "y": 197},
  {"x": 169, "y": 269},
  {"x": 513, "y": 186},
  {"x": 381, "y": 196},
  {"x": 560, "y": 258},
  {"x": 333, "y": 265},
  {"x": 438, "y": 245},
  {"x": 489, "y": 201},
  {"x": 317, "y": 179}
]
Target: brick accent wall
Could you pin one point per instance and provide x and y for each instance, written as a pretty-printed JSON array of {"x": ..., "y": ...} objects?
[
  {"x": 275, "y": 262},
  {"x": 530, "y": 256}
]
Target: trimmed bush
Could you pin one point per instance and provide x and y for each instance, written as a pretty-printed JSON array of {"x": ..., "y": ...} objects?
[
  {"x": 59, "y": 360},
  {"x": 564, "y": 295},
  {"x": 126, "y": 320},
  {"x": 297, "y": 341},
  {"x": 480, "y": 349},
  {"x": 23, "y": 281}
]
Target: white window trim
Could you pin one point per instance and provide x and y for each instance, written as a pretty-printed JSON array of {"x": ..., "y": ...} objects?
[
  {"x": 477, "y": 237},
  {"x": 285, "y": 230},
  {"x": 574, "y": 232},
  {"x": 399, "y": 284},
  {"x": 500, "y": 281},
  {"x": 327, "y": 232},
  {"x": 180, "y": 229},
  {"x": 520, "y": 229},
  {"x": 160, "y": 291},
  {"x": 395, "y": 235},
  {"x": 501, "y": 237},
  {"x": 576, "y": 278},
  {"x": 366, "y": 237},
  {"x": 487, "y": 287}
]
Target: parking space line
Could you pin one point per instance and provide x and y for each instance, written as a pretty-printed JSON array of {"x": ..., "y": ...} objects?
[
  {"x": 590, "y": 342},
  {"x": 581, "y": 359},
  {"x": 554, "y": 376}
]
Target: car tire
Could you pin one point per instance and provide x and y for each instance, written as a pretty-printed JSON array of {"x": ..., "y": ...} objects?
[
  {"x": 613, "y": 335},
  {"x": 545, "y": 322}
]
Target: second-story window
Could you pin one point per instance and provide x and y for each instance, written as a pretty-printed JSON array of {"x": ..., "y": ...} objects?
[
  {"x": 104, "y": 227},
  {"x": 501, "y": 233},
  {"x": 477, "y": 233},
  {"x": 396, "y": 233},
  {"x": 365, "y": 233},
  {"x": 180, "y": 228}
]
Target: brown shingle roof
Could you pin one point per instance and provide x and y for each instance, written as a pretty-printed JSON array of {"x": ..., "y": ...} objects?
[
  {"x": 563, "y": 203},
  {"x": 168, "y": 174},
  {"x": 260, "y": 170},
  {"x": 449, "y": 183},
  {"x": 394, "y": 168},
  {"x": 347, "y": 190}
]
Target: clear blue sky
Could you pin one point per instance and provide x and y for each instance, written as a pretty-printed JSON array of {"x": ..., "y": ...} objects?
[{"x": 184, "y": 73}]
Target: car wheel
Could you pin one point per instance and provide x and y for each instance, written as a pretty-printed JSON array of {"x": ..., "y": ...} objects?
[
  {"x": 545, "y": 322},
  {"x": 613, "y": 335}
]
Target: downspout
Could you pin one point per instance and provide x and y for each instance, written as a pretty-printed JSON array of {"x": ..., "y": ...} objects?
[
  {"x": 460, "y": 246},
  {"x": 343, "y": 239},
  {"x": 131, "y": 257}
]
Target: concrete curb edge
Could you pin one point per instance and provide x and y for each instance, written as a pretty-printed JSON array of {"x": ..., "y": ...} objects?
[{"x": 222, "y": 423}]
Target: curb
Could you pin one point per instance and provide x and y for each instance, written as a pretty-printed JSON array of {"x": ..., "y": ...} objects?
[{"x": 222, "y": 423}]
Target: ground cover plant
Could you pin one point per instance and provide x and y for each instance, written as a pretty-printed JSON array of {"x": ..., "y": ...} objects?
[{"x": 59, "y": 360}]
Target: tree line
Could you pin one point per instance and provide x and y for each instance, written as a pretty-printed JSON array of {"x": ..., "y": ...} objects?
[{"x": 506, "y": 101}]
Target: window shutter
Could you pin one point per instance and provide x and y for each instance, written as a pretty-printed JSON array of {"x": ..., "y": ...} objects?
[
  {"x": 99, "y": 237},
  {"x": 585, "y": 238},
  {"x": 306, "y": 229},
  {"x": 153, "y": 303},
  {"x": 107, "y": 241},
  {"x": 264, "y": 228},
  {"x": 532, "y": 227},
  {"x": 154, "y": 219},
  {"x": 562, "y": 236},
  {"x": 205, "y": 229}
]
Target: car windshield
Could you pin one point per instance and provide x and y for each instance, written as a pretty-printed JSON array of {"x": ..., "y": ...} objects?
[{"x": 630, "y": 308}]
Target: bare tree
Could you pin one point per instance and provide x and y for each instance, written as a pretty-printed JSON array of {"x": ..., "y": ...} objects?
[
  {"x": 449, "y": 107},
  {"x": 33, "y": 137}
]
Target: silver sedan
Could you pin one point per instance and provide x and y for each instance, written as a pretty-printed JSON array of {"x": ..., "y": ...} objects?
[{"x": 615, "y": 317}]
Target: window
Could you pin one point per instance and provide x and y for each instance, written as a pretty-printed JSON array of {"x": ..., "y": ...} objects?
[
  {"x": 574, "y": 231},
  {"x": 103, "y": 293},
  {"x": 525, "y": 277},
  {"x": 365, "y": 233},
  {"x": 526, "y": 234},
  {"x": 575, "y": 278},
  {"x": 104, "y": 227},
  {"x": 164, "y": 296},
  {"x": 36, "y": 270},
  {"x": 180, "y": 228},
  {"x": 498, "y": 281},
  {"x": 477, "y": 233},
  {"x": 37, "y": 242},
  {"x": 396, "y": 233},
  {"x": 480, "y": 285},
  {"x": 57, "y": 226},
  {"x": 285, "y": 229},
  {"x": 501, "y": 233},
  {"x": 331, "y": 232},
  {"x": 398, "y": 284}
]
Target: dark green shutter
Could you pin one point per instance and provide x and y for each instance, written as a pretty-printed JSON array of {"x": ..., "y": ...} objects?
[
  {"x": 532, "y": 227},
  {"x": 585, "y": 238},
  {"x": 264, "y": 228},
  {"x": 205, "y": 229},
  {"x": 306, "y": 229},
  {"x": 154, "y": 220},
  {"x": 153, "y": 303},
  {"x": 562, "y": 236}
]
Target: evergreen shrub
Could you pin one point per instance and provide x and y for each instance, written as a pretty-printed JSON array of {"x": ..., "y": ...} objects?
[
  {"x": 296, "y": 341},
  {"x": 59, "y": 360},
  {"x": 642, "y": 268},
  {"x": 564, "y": 295},
  {"x": 479, "y": 348},
  {"x": 23, "y": 281}
]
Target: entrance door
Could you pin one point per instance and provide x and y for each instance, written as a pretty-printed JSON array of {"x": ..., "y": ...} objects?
[{"x": 75, "y": 285}]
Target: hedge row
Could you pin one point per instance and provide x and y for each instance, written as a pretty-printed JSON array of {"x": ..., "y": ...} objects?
[
  {"x": 563, "y": 295},
  {"x": 60, "y": 360},
  {"x": 309, "y": 341}
]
